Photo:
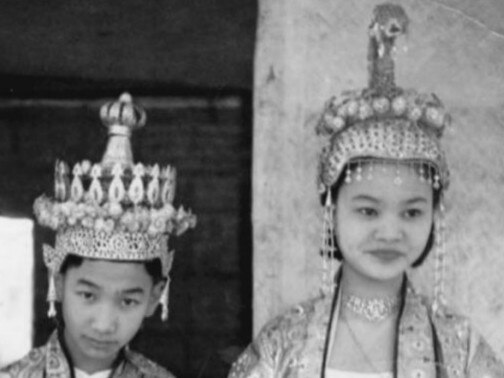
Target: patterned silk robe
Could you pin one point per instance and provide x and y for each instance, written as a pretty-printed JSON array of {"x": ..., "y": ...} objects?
[
  {"x": 444, "y": 345},
  {"x": 50, "y": 361}
]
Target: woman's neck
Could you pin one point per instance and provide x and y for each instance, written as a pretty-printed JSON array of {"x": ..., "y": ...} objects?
[{"x": 354, "y": 283}]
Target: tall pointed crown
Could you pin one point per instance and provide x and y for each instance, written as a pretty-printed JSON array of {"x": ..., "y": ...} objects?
[
  {"x": 383, "y": 121},
  {"x": 115, "y": 209}
]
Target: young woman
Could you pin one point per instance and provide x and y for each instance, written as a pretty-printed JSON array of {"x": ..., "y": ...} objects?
[{"x": 382, "y": 176}]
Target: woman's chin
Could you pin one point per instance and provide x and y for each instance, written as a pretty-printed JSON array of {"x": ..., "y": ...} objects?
[{"x": 385, "y": 272}]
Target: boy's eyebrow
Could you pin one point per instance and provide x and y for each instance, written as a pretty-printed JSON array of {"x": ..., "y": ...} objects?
[
  {"x": 134, "y": 290},
  {"x": 83, "y": 281}
]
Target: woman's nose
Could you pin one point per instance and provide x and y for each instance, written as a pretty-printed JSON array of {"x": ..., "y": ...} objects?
[{"x": 390, "y": 229}]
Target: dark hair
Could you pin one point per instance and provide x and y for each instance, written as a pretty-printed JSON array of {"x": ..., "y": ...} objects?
[
  {"x": 436, "y": 199},
  {"x": 153, "y": 267}
]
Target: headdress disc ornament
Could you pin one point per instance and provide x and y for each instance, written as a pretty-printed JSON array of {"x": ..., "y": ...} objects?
[{"x": 383, "y": 121}]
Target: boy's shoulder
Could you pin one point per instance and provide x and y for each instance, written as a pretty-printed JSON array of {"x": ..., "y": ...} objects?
[
  {"x": 47, "y": 359},
  {"x": 146, "y": 367},
  {"x": 31, "y": 365}
]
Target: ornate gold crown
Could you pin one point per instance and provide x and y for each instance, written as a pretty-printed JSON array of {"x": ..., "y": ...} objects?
[
  {"x": 383, "y": 121},
  {"x": 113, "y": 210}
]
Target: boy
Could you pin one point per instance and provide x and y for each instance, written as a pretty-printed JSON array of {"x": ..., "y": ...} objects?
[{"x": 110, "y": 265}]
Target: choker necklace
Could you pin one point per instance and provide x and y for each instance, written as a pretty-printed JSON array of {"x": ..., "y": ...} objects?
[{"x": 372, "y": 309}]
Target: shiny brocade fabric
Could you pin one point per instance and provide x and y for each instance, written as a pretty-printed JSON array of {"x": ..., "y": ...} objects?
[
  {"x": 49, "y": 361},
  {"x": 429, "y": 346}
]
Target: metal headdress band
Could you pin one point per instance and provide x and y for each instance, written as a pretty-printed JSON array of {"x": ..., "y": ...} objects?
[
  {"x": 383, "y": 122},
  {"x": 114, "y": 210}
]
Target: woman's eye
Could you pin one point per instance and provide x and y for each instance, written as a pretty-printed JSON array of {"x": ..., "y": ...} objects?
[{"x": 413, "y": 213}]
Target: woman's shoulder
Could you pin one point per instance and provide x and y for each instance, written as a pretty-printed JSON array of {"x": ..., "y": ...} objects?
[
  {"x": 299, "y": 314},
  {"x": 286, "y": 333},
  {"x": 459, "y": 339},
  {"x": 445, "y": 318},
  {"x": 440, "y": 312}
]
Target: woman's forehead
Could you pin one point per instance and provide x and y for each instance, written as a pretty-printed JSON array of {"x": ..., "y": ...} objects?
[{"x": 398, "y": 183}]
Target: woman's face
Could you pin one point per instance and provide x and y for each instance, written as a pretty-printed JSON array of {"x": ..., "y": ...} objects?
[{"x": 383, "y": 226}]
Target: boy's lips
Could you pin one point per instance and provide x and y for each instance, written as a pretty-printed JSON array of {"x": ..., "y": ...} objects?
[{"x": 100, "y": 344}]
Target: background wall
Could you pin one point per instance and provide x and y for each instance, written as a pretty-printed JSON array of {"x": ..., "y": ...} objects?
[
  {"x": 189, "y": 63},
  {"x": 307, "y": 52},
  {"x": 208, "y": 142},
  {"x": 205, "y": 43}
]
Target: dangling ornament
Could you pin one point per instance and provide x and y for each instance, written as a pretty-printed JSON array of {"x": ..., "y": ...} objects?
[
  {"x": 164, "y": 300},
  {"x": 328, "y": 249},
  {"x": 51, "y": 295},
  {"x": 439, "y": 261}
]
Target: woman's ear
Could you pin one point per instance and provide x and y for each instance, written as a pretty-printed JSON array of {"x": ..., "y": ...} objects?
[{"x": 156, "y": 292}]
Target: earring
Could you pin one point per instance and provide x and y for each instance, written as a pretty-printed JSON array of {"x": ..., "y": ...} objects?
[
  {"x": 52, "y": 261},
  {"x": 51, "y": 295},
  {"x": 163, "y": 300},
  {"x": 439, "y": 260},
  {"x": 328, "y": 249}
]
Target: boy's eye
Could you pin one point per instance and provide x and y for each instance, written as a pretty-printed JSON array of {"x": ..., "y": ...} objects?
[
  {"x": 368, "y": 211},
  {"x": 129, "y": 302},
  {"x": 86, "y": 295}
]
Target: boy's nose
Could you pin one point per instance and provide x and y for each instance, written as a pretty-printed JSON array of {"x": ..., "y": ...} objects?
[{"x": 105, "y": 319}]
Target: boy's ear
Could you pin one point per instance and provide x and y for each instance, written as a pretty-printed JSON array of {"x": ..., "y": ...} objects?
[
  {"x": 58, "y": 283},
  {"x": 156, "y": 292}
]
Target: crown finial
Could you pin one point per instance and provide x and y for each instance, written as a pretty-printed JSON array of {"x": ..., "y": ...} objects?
[
  {"x": 389, "y": 21},
  {"x": 121, "y": 118},
  {"x": 383, "y": 121}
]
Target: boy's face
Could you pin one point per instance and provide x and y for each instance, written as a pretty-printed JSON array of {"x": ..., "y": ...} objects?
[{"x": 103, "y": 306}]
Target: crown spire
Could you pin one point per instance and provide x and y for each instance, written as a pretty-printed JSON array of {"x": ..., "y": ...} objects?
[
  {"x": 383, "y": 121},
  {"x": 113, "y": 210},
  {"x": 389, "y": 21},
  {"x": 121, "y": 117}
]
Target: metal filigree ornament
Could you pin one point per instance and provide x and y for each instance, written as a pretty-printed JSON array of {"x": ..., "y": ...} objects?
[
  {"x": 372, "y": 309},
  {"x": 384, "y": 124},
  {"x": 114, "y": 209}
]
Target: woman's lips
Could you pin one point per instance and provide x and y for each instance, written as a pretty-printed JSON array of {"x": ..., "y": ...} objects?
[{"x": 386, "y": 254}]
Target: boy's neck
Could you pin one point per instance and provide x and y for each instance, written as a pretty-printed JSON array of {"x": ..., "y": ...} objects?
[{"x": 78, "y": 360}]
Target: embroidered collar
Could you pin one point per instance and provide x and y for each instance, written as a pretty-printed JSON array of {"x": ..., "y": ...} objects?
[{"x": 59, "y": 362}]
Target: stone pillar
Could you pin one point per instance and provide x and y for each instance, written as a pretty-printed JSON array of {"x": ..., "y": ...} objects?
[{"x": 308, "y": 51}]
